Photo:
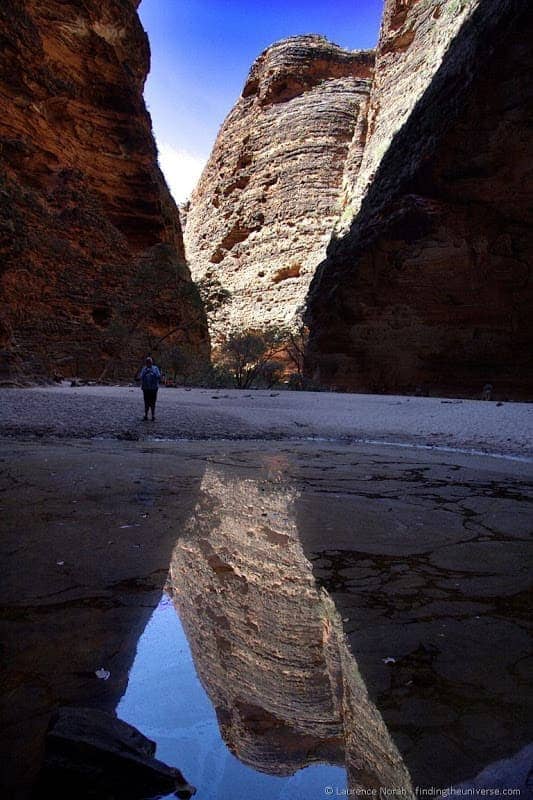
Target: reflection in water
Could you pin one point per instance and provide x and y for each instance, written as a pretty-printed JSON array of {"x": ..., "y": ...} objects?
[
  {"x": 167, "y": 701},
  {"x": 427, "y": 561},
  {"x": 428, "y": 566},
  {"x": 268, "y": 645}
]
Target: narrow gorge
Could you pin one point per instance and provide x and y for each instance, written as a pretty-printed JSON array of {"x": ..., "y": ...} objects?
[
  {"x": 260, "y": 594},
  {"x": 384, "y": 193},
  {"x": 428, "y": 284}
]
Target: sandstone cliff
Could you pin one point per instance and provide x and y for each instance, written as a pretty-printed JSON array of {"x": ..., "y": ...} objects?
[
  {"x": 263, "y": 211},
  {"x": 430, "y": 285},
  {"x": 92, "y": 265},
  {"x": 413, "y": 39}
]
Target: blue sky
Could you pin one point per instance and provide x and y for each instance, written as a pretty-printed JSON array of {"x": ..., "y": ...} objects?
[{"x": 202, "y": 51}]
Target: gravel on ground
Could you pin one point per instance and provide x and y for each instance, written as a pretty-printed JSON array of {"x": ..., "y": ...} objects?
[{"x": 199, "y": 414}]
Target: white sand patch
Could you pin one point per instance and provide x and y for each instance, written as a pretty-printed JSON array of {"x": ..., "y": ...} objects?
[{"x": 466, "y": 425}]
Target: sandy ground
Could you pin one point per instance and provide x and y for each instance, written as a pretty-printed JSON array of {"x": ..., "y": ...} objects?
[
  {"x": 422, "y": 548},
  {"x": 116, "y": 412}
]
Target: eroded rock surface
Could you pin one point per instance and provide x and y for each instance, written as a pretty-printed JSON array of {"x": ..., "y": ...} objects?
[
  {"x": 91, "y": 252},
  {"x": 413, "y": 40},
  {"x": 425, "y": 561},
  {"x": 430, "y": 285},
  {"x": 263, "y": 212}
]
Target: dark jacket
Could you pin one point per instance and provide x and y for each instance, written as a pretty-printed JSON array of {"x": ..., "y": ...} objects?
[{"x": 150, "y": 377}]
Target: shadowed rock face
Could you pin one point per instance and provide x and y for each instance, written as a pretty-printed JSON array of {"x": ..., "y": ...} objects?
[
  {"x": 268, "y": 645},
  {"x": 413, "y": 40},
  {"x": 83, "y": 204},
  {"x": 262, "y": 214},
  {"x": 91, "y": 753},
  {"x": 426, "y": 565},
  {"x": 430, "y": 285}
]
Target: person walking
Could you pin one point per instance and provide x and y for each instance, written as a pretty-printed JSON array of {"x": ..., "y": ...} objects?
[{"x": 150, "y": 377}]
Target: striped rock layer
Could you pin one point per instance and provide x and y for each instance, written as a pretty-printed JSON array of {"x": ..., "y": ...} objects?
[
  {"x": 92, "y": 270},
  {"x": 427, "y": 282},
  {"x": 263, "y": 211}
]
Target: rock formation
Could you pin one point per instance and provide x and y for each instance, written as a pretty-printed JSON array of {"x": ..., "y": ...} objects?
[
  {"x": 430, "y": 284},
  {"x": 91, "y": 753},
  {"x": 92, "y": 264},
  {"x": 263, "y": 211},
  {"x": 267, "y": 644},
  {"x": 413, "y": 39}
]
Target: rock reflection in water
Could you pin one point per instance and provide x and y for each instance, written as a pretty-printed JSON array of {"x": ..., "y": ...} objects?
[{"x": 268, "y": 645}]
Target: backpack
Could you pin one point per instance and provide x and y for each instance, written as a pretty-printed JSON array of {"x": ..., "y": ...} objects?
[{"x": 150, "y": 378}]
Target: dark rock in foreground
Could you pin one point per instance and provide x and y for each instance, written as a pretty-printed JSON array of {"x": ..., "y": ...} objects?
[{"x": 92, "y": 754}]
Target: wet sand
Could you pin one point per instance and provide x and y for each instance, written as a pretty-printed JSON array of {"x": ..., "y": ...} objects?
[{"x": 423, "y": 552}]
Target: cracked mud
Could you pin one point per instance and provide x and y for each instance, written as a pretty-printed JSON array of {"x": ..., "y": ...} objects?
[{"x": 415, "y": 564}]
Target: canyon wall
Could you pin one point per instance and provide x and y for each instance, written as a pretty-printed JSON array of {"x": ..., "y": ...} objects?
[
  {"x": 427, "y": 282},
  {"x": 263, "y": 211},
  {"x": 414, "y": 37},
  {"x": 92, "y": 264}
]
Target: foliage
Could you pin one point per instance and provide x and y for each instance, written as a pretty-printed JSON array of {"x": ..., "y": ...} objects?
[
  {"x": 297, "y": 336},
  {"x": 263, "y": 356},
  {"x": 159, "y": 280},
  {"x": 213, "y": 294},
  {"x": 177, "y": 362},
  {"x": 250, "y": 355}
]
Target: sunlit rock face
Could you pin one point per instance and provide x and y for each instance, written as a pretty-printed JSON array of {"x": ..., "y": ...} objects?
[
  {"x": 264, "y": 208},
  {"x": 413, "y": 40},
  {"x": 88, "y": 229},
  {"x": 268, "y": 645},
  {"x": 429, "y": 285}
]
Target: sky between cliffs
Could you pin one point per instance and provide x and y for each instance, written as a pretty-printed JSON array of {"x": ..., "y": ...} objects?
[{"x": 202, "y": 51}]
